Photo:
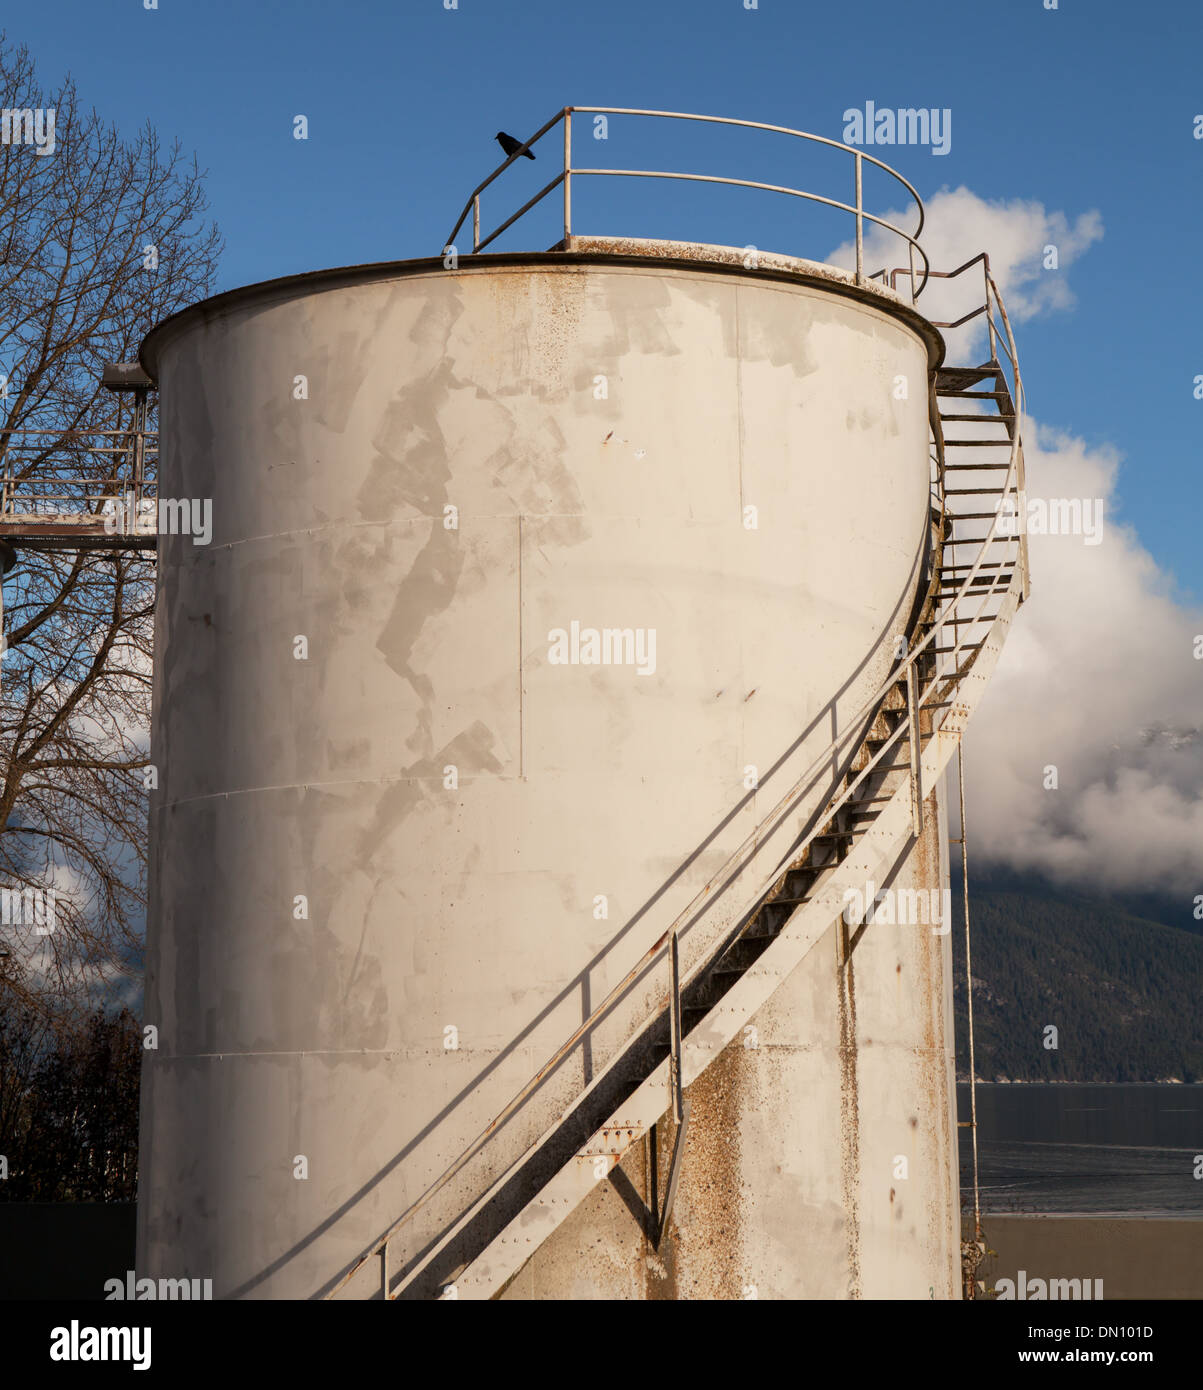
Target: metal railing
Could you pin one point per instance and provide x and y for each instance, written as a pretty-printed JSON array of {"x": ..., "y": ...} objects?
[
  {"x": 88, "y": 483},
  {"x": 997, "y": 571},
  {"x": 568, "y": 172},
  {"x": 988, "y": 291}
]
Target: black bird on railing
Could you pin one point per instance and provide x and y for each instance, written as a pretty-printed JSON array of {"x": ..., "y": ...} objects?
[{"x": 510, "y": 145}]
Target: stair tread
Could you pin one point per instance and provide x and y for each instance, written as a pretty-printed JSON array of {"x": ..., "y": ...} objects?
[{"x": 960, "y": 378}]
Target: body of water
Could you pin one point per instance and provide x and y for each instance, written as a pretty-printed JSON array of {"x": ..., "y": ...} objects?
[{"x": 1085, "y": 1150}]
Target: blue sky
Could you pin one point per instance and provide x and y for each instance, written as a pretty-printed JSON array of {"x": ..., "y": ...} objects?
[{"x": 1087, "y": 107}]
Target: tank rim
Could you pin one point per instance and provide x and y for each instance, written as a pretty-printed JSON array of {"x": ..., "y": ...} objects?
[{"x": 582, "y": 251}]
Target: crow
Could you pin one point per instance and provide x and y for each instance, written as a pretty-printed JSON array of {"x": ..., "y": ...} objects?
[{"x": 510, "y": 145}]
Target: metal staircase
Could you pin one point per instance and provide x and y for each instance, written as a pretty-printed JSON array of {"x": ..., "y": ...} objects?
[
  {"x": 89, "y": 488},
  {"x": 889, "y": 757}
]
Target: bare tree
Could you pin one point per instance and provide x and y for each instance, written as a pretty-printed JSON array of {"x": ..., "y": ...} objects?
[
  {"x": 99, "y": 240},
  {"x": 68, "y": 1106}
]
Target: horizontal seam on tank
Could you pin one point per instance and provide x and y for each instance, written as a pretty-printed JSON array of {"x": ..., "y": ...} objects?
[
  {"x": 310, "y": 530},
  {"x": 305, "y": 786},
  {"x": 334, "y": 1052},
  {"x": 471, "y": 516}
]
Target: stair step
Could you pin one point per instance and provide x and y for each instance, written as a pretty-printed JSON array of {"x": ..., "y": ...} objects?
[
  {"x": 974, "y": 395},
  {"x": 958, "y": 378},
  {"x": 800, "y": 878},
  {"x": 977, "y": 443},
  {"x": 967, "y": 419},
  {"x": 739, "y": 956},
  {"x": 760, "y": 930},
  {"x": 975, "y": 467},
  {"x": 901, "y": 744},
  {"x": 765, "y": 911}
]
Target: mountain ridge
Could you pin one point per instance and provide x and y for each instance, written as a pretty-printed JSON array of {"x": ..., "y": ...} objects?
[{"x": 1120, "y": 990}]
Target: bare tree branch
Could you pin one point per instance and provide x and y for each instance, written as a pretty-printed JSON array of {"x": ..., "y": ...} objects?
[{"x": 98, "y": 242}]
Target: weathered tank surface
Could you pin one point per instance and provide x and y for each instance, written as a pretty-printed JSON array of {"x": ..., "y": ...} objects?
[{"x": 414, "y": 822}]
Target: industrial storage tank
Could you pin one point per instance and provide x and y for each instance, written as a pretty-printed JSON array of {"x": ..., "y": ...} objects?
[{"x": 535, "y": 582}]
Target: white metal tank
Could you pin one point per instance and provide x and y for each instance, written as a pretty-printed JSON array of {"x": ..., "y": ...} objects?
[{"x": 415, "y": 820}]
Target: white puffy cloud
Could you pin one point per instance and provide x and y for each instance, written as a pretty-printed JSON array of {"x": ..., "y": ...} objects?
[{"x": 1098, "y": 680}]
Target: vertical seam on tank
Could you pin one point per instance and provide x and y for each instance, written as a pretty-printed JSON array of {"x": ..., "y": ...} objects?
[
  {"x": 521, "y": 671},
  {"x": 739, "y": 403}
]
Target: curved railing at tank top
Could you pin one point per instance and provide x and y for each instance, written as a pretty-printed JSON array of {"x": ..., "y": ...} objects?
[
  {"x": 1001, "y": 563},
  {"x": 918, "y": 279}
]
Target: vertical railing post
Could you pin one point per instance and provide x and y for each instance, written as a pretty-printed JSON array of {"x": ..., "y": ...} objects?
[
  {"x": 674, "y": 1023},
  {"x": 977, "y": 1199},
  {"x": 5, "y": 499},
  {"x": 567, "y": 174},
  {"x": 1022, "y": 489},
  {"x": 912, "y": 707},
  {"x": 141, "y": 415},
  {"x": 680, "y": 1106},
  {"x": 911, "y": 244},
  {"x": 384, "y": 1270},
  {"x": 989, "y": 317},
  {"x": 860, "y": 227},
  {"x": 476, "y": 223}
]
